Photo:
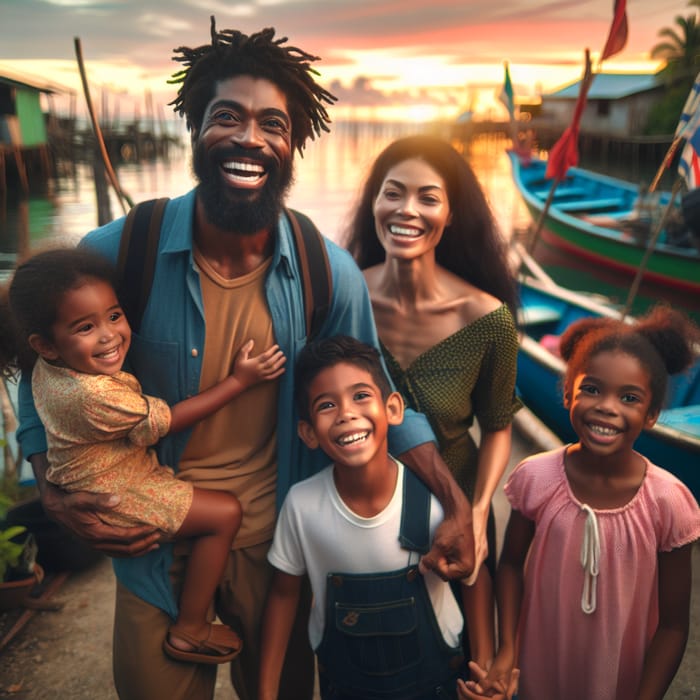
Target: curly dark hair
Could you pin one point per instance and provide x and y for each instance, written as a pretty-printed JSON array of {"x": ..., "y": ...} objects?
[
  {"x": 31, "y": 301},
  {"x": 471, "y": 246},
  {"x": 664, "y": 342},
  {"x": 260, "y": 55}
]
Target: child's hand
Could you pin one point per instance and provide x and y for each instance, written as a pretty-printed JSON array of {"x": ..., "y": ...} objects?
[
  {"x": 252, "y": 370},
  {"x": 498, "y": 683}
]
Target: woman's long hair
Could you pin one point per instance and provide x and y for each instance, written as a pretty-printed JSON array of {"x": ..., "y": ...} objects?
[{"x": 471, "y": 246}]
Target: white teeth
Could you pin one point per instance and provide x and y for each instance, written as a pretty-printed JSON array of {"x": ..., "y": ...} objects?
[
  {"x": 253, "y": 168},
  {"x": 403, "y": 231},
  {"x": 352, "y": 438},
  {"x": 108, "y": 354},
  {"x": 601, "y": 430}
]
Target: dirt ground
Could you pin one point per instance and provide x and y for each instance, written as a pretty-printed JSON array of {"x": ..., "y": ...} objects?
[{"x": 67, "y": 653}]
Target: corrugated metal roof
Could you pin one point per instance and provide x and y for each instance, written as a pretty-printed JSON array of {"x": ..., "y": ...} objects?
[
  {"x": 610, "y": 86},
  {"x": 22, "y": 80}
]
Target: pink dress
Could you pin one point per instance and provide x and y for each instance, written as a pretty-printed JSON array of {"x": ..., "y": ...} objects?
[
  {"x": 99, "y": 429},
  {"x": 568, "y": 653}
]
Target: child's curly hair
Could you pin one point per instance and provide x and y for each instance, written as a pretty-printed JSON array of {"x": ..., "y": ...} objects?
[
  {"x": 665, "y": 341},
  {"x": 30, "y": 303}
]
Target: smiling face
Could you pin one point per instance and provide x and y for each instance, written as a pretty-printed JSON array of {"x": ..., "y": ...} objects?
[
  {"x": 242, "y": 155},
  {"x": 90, "y": 334},
  {"x": 411, "y": 209},
  {"x": 349, "y": 417},
  {"x": 610, "y": 403}
]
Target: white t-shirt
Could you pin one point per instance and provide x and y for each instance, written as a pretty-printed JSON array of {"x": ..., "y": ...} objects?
[{"x": 317, "y": 533}]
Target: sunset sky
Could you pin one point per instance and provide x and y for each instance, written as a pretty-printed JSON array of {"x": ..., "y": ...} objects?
[{"x": 408, "y": 58}]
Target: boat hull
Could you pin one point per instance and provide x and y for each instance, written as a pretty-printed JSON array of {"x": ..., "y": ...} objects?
[{"x": 672, "y": 266}]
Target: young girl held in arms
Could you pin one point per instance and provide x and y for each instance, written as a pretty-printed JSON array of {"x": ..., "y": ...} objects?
[
  {"x": 601, "y": 609},
  {"x": 62, "y": 322}
]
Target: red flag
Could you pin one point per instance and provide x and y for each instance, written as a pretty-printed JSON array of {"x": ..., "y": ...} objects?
[
  {"x": 564, "y": 153},
  {"x": 617, "y": 38}
]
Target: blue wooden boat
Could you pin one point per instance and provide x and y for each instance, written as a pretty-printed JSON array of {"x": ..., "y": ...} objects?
[
  {"x": 592, "y": 216},
  {"x": 546, "y": 311}
]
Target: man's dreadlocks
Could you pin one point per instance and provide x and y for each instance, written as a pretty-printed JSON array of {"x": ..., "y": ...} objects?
[{"x": 233, "y": 53}]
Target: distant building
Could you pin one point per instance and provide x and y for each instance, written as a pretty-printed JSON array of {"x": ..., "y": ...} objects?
[
  {"x": 22, "y": 121},
  {"x": 618, "y": 104},
  {"x": 23, "y": 127}
]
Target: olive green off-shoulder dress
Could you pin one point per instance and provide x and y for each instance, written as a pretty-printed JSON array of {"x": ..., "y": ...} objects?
[{"x": 468, "y": 375}]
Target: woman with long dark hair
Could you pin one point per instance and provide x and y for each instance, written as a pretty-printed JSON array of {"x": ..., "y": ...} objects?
[{"x": 443, "y": 299}]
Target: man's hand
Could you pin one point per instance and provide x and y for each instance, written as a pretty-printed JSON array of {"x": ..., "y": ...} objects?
[
  {"x": 80, "y": 513},
  {"x": 452, "y": 553}
]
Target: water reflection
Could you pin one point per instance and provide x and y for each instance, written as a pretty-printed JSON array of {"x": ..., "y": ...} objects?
[{"x": 327, "y": 183}]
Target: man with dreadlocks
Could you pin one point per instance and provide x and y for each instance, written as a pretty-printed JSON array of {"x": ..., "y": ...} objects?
[{"x": 227, "y": 271}]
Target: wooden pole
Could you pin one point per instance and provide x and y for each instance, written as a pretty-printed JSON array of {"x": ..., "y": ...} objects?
[
  {"x": 3, "y": 176},
  {"x": 21, "y": 168},
  {"x": 122, "y": 196},
  {"x": 665, "y": 163},
  {"x": 104, "y": 205},
  {"x": 534, "y": 238},
  {"x": 570, "y": 136},
  {"x": 650, "y": 249}
]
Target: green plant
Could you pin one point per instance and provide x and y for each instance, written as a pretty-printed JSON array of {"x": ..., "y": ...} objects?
[
  {"x": 13, "y": 555},
  {"x": 16, "y": 557},
  {"x": 664, "y": 115},
  {"x": 10, "y": 552}
]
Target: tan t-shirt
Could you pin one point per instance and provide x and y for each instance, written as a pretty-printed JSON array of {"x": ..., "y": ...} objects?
[{"x": 235, "y": 449}]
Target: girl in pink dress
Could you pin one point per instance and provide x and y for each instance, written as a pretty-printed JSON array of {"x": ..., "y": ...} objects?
[
  {"x": 595, "y": 576},
  {"x": 62, "y": 322}
]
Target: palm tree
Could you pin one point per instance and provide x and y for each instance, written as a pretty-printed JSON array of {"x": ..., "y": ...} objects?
[{"x": 680, "y": 48}]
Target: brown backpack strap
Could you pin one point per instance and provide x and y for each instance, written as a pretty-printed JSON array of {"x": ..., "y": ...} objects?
[
  {"x": 138, "y": 250},
  {"x": 136, "y": 261},
  {"x": 317, "y": 282}
]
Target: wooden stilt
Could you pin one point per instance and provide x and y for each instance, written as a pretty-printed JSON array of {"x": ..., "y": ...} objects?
[
  {"x": 45, "y": 159},
  {"x": 21, "y": 169},
  {"x": 3, "y": 174}
]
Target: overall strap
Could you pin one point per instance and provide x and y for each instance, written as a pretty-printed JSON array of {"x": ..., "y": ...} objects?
[
  {"x": 136, "y": 261},
  {"x": 414, "y": 533},
  {"x": 317, "y": 282}
]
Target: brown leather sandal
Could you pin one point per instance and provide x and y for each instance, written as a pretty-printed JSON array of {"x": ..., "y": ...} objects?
[{"x": 220, "y": 646}]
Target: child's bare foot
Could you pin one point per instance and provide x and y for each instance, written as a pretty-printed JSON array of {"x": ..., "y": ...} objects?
[{"x": 212, "y": 644}]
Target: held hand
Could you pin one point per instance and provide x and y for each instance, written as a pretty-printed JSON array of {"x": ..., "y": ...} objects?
[
  {"x": 498, "y": 683},
  {"x": 452, "y": 553},
  {"x": 80, "y": 513},
  {"x": 264, "y": 367}
]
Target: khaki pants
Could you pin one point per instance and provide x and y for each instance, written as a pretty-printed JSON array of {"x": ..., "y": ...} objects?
[{"x": 143, "y": 672}]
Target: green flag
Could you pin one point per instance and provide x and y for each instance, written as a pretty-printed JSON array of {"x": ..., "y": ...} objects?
[{"x": 506, "y": 95}]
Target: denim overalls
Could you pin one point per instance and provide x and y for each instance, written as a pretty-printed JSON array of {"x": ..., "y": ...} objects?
[{"x": 381, "y": 639}]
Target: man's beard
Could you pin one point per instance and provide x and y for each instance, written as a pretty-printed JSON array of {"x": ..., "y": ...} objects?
[{"x": 240, "y": 210}]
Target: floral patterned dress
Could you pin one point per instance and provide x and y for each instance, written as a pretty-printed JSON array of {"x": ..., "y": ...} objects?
[{"x": 99, "y": 431}]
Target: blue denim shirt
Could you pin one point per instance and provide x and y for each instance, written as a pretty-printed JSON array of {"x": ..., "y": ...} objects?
[{"x": 167, "y": 357}]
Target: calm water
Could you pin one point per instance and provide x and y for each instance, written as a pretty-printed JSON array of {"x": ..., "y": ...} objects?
[
  {"x": 328, "y": 179},
  {"x": 326, "y": 185}
]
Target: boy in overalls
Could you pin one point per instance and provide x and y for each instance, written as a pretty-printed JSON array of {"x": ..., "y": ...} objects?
[{"x": 380, "y": 628}]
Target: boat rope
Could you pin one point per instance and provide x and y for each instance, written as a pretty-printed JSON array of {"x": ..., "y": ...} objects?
[{"x": 590, "y": 560}]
